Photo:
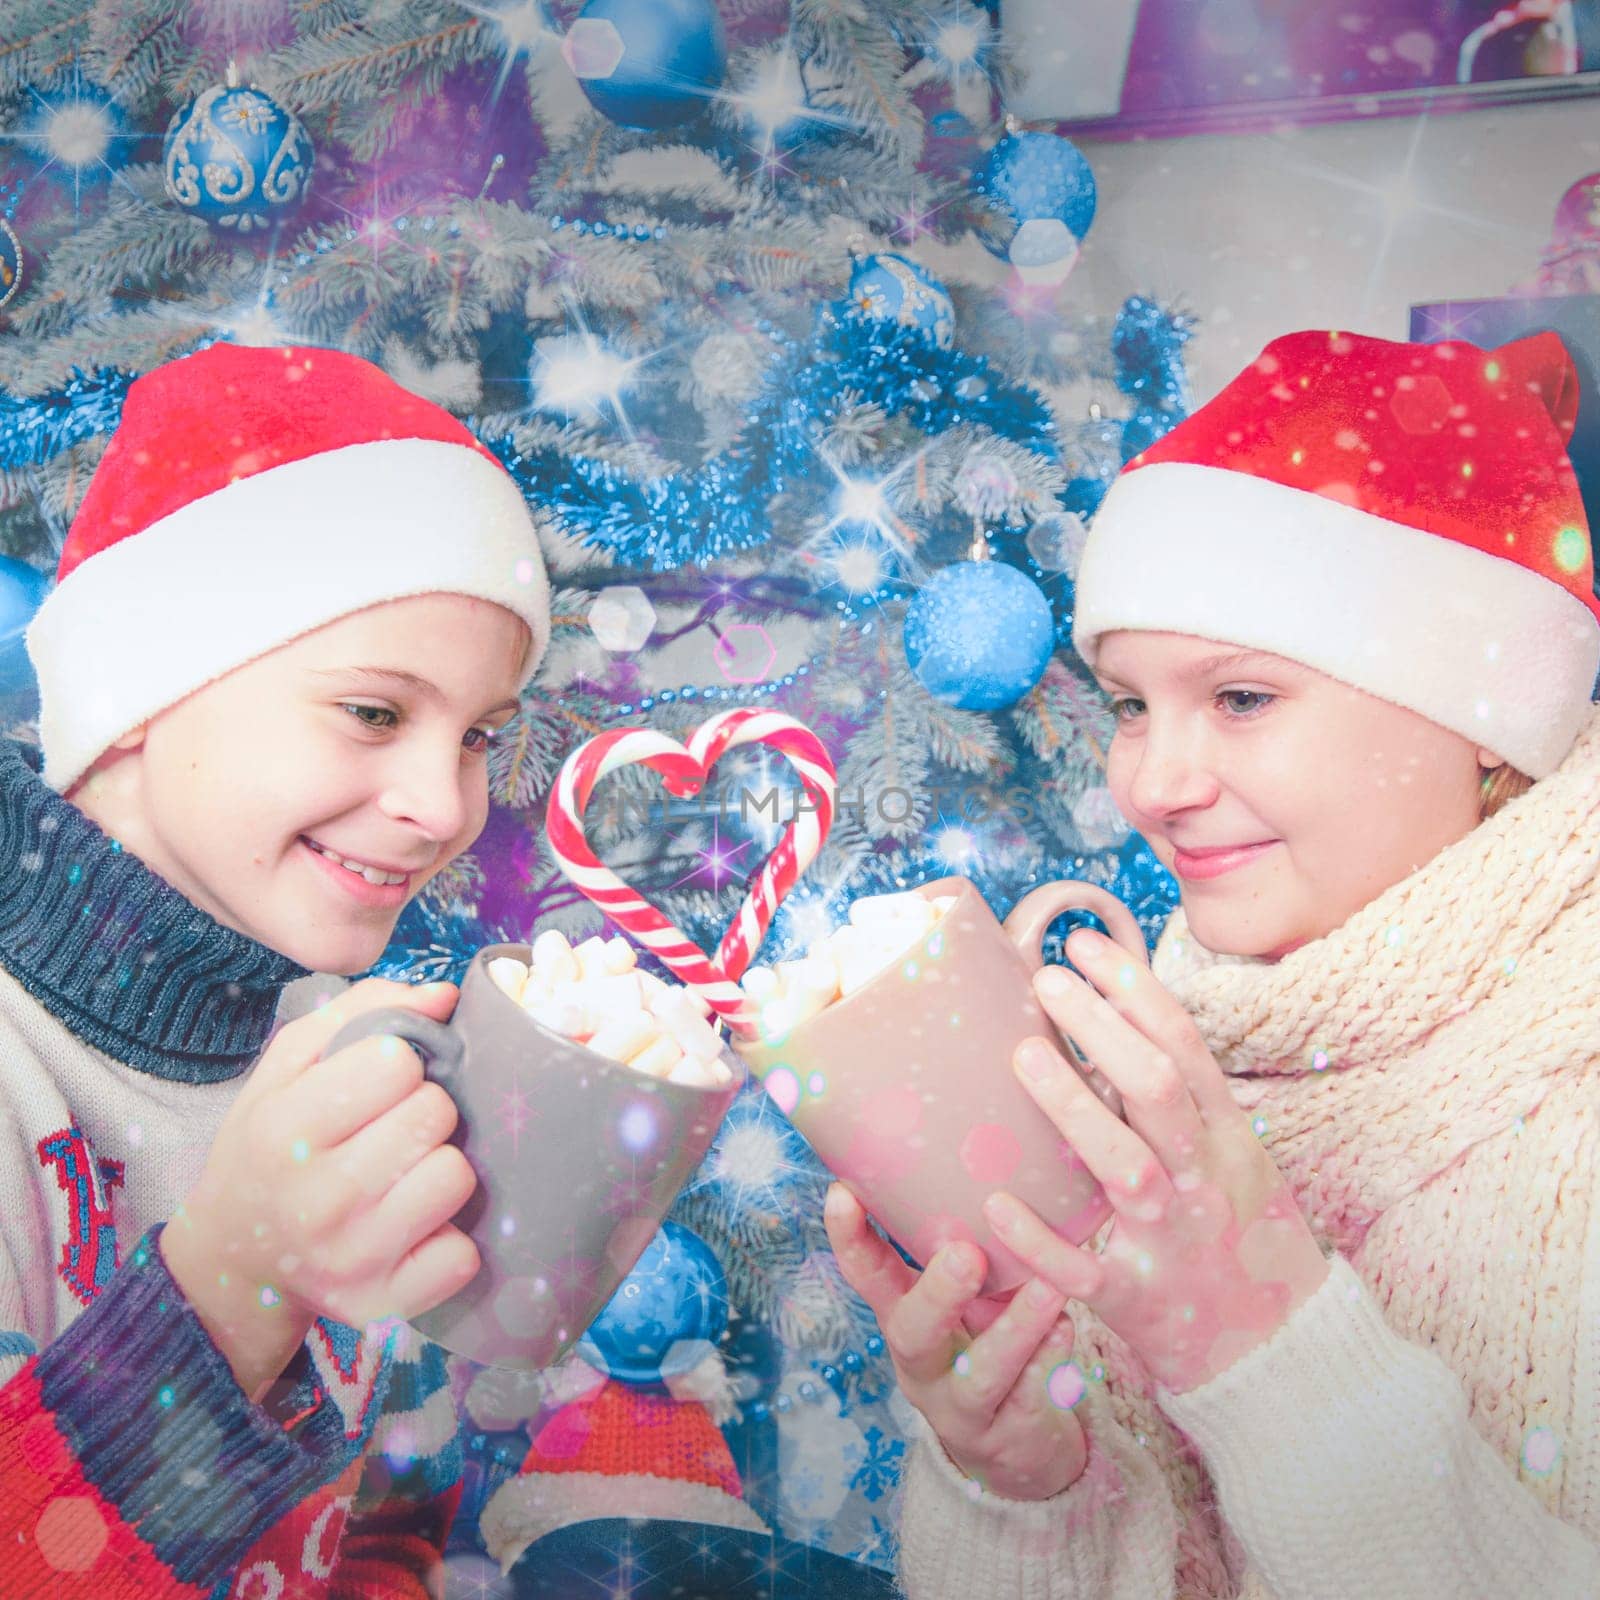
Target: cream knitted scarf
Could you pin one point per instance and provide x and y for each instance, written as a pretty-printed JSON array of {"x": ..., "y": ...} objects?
[{"x": 1427, "y": 1075}]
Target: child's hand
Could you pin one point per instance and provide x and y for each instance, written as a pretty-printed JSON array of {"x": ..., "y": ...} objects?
[
  {"x": 328, "y": 1190},
  {"x": 1208, "y": 1254},
  {"x": 985, "y": 1396}
]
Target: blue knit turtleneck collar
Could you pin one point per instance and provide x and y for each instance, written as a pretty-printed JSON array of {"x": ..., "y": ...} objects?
[{"x": 115, "y": 952}]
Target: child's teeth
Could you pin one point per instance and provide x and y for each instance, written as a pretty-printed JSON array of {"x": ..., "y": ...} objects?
[{"x": 372, "y": 874}]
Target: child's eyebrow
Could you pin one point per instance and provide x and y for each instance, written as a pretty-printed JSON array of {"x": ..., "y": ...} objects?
[
  {"x": 396, "y": 677},
  {"x": 1205, "y": 668}
]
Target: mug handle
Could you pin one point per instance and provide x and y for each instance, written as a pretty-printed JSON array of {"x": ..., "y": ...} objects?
[
  {"x": 1030, "y": 920},
  {"x": 439, "y": 1046},
  {"x": 1032, "y": 915}
]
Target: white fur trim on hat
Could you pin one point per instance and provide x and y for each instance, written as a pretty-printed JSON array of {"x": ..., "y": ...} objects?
[
  {"x": 227, "y": 578},
  {"x": 1482, "y": 646},
  {"x": 524, "y": 1509}
]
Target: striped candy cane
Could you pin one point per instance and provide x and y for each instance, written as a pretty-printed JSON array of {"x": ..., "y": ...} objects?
[
  {"x": 802, "y": 840},
  {"x": 683, "y": 772}
]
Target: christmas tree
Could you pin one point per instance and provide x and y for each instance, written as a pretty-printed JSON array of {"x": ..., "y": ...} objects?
[{"x": 715, "y": 283}]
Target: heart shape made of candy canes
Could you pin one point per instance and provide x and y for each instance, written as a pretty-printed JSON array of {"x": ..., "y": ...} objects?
[{"x": 684, "y": 770}]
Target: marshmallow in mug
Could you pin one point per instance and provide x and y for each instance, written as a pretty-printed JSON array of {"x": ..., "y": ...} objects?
[
  {"x": 882, "y": 928},
  {"x": 597, "y": 995}
]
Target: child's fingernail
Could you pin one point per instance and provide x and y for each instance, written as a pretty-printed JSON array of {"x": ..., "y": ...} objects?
[
  {"x": 955, "y": 1266},
  {"x": 1033, "y": 1060},
  {"x": 1053, "y": 984},
  {"x": 1002, "y": 1211}
]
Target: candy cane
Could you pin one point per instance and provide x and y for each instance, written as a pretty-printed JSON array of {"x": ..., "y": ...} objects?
[
  {"x": 802, "y": 841},
  {"x": 683, "y": 771},
  {"x": 631, "y": 912}
]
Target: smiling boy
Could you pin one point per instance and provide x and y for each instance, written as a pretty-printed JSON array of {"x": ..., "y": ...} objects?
[{"x": 294, "y": 607}]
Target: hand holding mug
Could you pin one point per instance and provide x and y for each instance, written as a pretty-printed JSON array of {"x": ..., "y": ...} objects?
[
  {"x": 1208, "y": 1254},
  {"x": 978, "y": 1370}
]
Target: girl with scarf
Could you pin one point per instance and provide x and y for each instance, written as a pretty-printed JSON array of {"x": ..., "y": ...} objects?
[{"x": 1342, "y": 1337}]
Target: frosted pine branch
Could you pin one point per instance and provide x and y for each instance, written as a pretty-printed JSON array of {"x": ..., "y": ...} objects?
[
  {"x": 375, "y": 56},
  {"x": 1062, "y": 711},
  {"x": 38, "y": 40}
]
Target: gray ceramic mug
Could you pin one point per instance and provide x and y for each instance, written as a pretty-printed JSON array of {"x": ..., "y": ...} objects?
[
  {"x": 905, "y": 1088},
  {"x": 578, "y": 1159}
]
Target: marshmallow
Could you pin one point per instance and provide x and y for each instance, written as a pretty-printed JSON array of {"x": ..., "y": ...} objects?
[
  {"x": 788, "y": 1011},
  {"x": 622, "y": 1037},
  {"x": 618, "y": 956},
  {"x": 817, "y": 973},
  {"x": 553, "y": 958},
  {"x": 591, "y": 958},
  {"x": 697, "y": 1074},
  {"x": 761, "y": 984},
  {"x": 679, "y": 1017},
  {"x": 657, "y": 1059},
  {"x": 561, "y": 1016},
  {"x": 608, "y": 994},
  {"x": 509, "y": 974},
  {"x": 652, "y": 985}
]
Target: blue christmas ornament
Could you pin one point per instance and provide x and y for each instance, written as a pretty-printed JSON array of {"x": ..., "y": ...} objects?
[
  {"x": 979, "y": 635},
  {"x": 235, "y": 157},
  {"x": 892, "y": 288},
  {"x": 10, "y": 262},
  {"x": 673, "y": 1304},
  {"x": 22, "y": 591},
  {"x": 1036, "y": 200},
  {"x": 647, "y": 63}
]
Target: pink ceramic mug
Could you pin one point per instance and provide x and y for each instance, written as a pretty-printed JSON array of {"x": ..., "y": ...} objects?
[{"x": 905, "y": 1090}]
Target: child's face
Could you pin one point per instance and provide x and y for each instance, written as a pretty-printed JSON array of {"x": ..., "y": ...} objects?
[
  {"x": 235, "y": 794},
  {"x": 1282, "y": 800}
]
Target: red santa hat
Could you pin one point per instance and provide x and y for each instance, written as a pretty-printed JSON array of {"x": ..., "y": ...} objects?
[
  {"x": 1401, "y": 517},
  {"x": 248, "y": 497},
  {"x": 618, "y": 1452}
]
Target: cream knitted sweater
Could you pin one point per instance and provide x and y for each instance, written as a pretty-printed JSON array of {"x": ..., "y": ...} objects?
[{"x": 1428, "y": 1424}]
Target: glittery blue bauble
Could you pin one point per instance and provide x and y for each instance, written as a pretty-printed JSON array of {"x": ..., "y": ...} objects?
[
  {"x": 22, "y": 591},
  {"x": 647, "y": 63},
  {"x": 676, "y": 1295},
  {"x": 979, "y": 635},
  {"x": 1036, "y": 197},
  {"x": 891, "y": 288},
  {"x": 10, "y": 262},
  {"x": 235, "y": 157}
]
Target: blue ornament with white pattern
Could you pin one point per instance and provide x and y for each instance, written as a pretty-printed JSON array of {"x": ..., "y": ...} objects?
[
  {"x": 979, "y": 635},
  {"x": 892, "y": 288},
  {"x": 236, "y": 158},
  {"x": 647, "y": 63},
  {"x": 668, "y": 1314},
  {"x": 1036, "y": 199},
  {"x": 10, "y": 262}
]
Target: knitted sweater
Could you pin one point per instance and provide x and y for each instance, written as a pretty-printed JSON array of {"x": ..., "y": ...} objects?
[
  {"x": 1428, "y": 1423},
  {"x": 131, "y": 1463}
]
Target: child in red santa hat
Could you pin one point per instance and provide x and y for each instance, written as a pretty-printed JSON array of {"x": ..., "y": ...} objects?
[
  {"x": 294, "y": 609},
  {"x": 1342, "y": 1336}
]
